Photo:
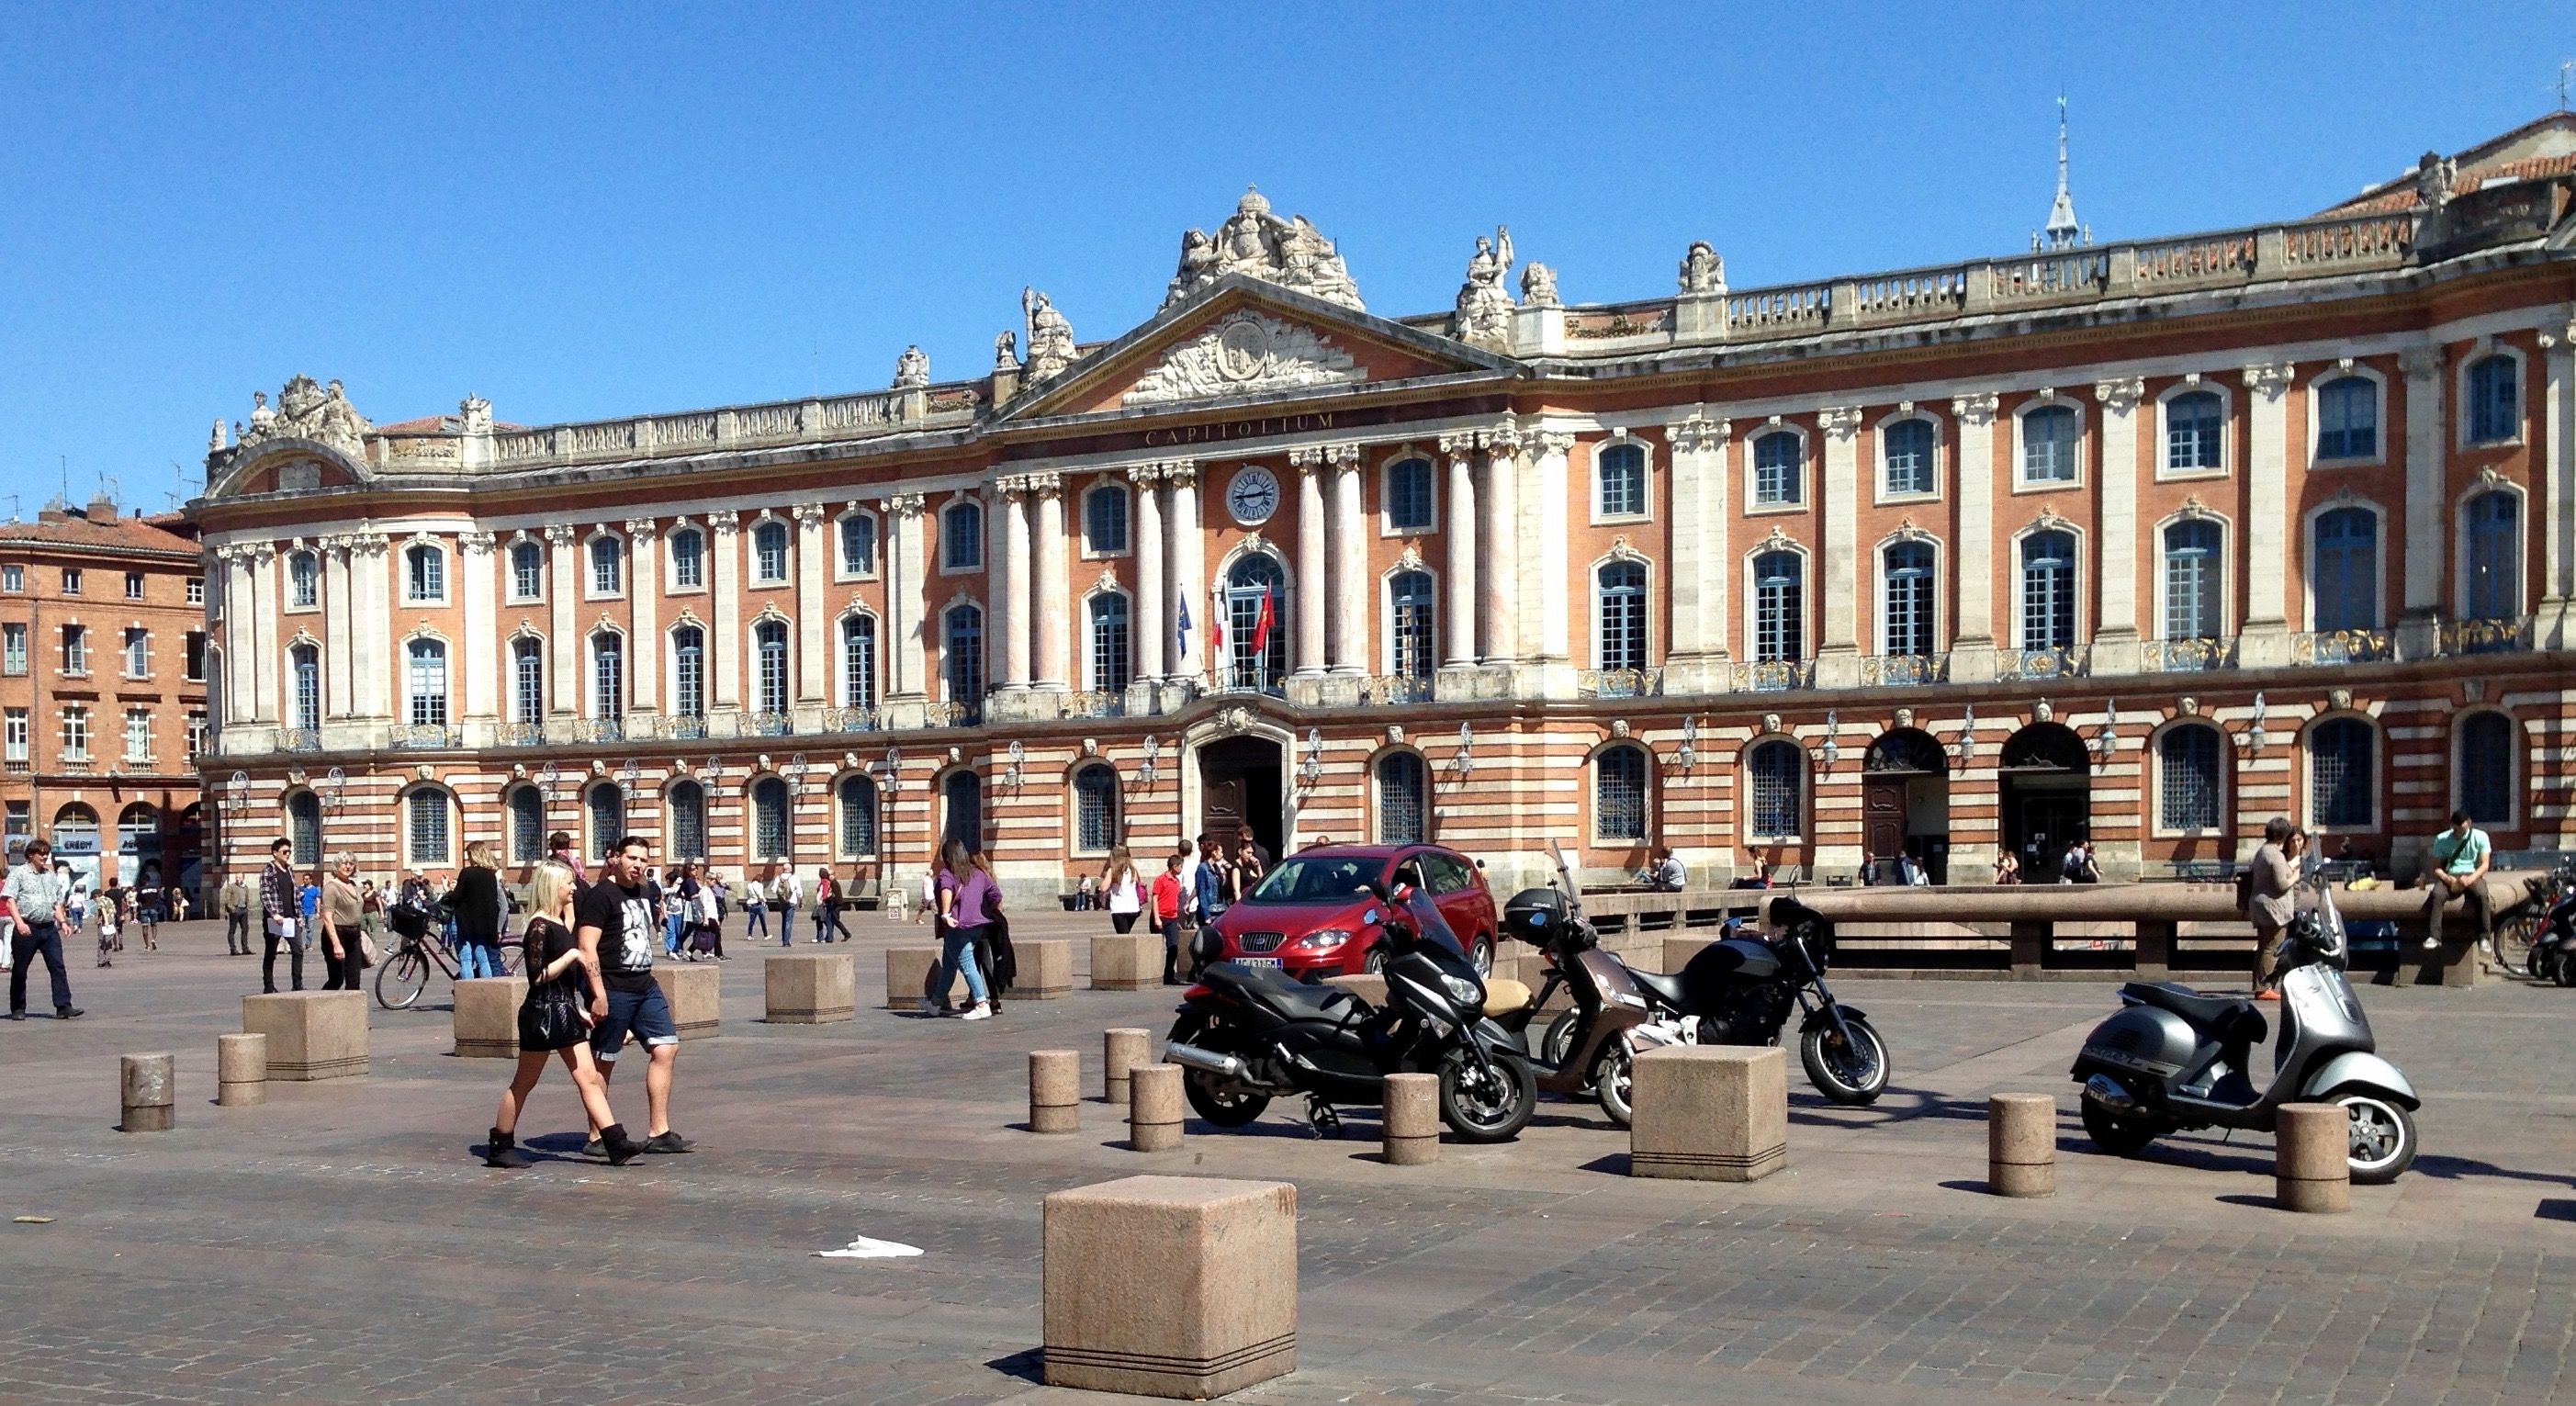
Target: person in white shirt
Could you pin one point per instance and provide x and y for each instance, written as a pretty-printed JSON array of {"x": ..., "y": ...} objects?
[{"x": 787, "y": 895}]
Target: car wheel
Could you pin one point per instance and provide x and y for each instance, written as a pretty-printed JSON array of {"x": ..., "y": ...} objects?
[
  {"x": 1482, "y": 954},
  {"x": 1375, "y": 965}
]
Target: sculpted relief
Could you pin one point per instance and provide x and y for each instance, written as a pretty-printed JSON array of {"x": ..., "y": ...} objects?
[
  {"x": 308, "y": 411},
  {"x": 1242, "y": 354},
  {"x": 1291, "y": 253}
]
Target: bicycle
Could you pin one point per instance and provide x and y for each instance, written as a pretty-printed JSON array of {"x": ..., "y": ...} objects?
[{"x": 405, "y": 974}]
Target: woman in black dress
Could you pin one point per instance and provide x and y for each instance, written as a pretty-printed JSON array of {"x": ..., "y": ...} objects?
[{"x": 563, "y": 983}]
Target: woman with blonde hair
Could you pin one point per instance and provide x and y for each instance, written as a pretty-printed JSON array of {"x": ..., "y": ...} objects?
[
  {"x": 476, "y": 903},
  {"x": 554, "y": 1020}
]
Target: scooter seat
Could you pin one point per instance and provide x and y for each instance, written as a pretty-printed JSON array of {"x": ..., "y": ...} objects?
[
  {"x": 1286, "y": 994},
  {"x": 1504, "y": 996},
  {"x": 2232, "y": 1019},
  {"x": 1665, "y": 987}
]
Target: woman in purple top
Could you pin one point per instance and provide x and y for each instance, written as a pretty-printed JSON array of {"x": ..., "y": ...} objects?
[{"x": 963, "y": 888}]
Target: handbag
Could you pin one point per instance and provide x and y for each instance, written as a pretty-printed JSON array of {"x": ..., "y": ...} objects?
[
  {"x": 367, "y": 948},
  {"x": 550, "y": 1018}
]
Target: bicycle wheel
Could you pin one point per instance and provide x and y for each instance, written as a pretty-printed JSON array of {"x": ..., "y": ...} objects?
[
  {"x": 2513, "y": 944},
  {"x": 400, "y": 981}
]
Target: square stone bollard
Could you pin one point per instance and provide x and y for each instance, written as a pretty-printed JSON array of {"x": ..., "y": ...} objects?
[
  {"x": 1121, "y": 1051},
  {"x": 312, "y": 1035},
  {"x": 2021, "y": 1145},
  {"x": 1055, "y": 1091},
  {"x": 1155, "y": 1106},
  {"x": 1371, "y": 989},
  {"x": 241, "y": 1070},
  {"x": 1709, "y": 1113},
  {"x": 1126, "y": 961},
  {"x": 1179, "y": 1287},
  {"x": 147, "y": 1092},
  {"x": 2311, "y": 1158},
  {"x": 1045, "y": 969},
  {"x": 908, "y": 970},
  {"x": 487, "y": 1017},
  {"x": 692, "y": 989},
  {"x": 809, "y": 988},
  {"x": 1409, "y": 1136},
  {"x": 1679, "y": 950}
]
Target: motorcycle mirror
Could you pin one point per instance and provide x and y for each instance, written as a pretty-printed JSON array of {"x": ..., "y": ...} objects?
[{"x": 1371, "y": 916}]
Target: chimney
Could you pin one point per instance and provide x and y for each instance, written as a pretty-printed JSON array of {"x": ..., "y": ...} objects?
[{"x": 101, "y": 508}]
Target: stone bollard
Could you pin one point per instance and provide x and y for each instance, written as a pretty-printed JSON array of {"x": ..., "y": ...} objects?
[
  {"x": 693, "y": 991},
  {"x": 1154, "y": 1113},
  {"x": 486, "y": 1018},
  {"x": 1121, "y": 1051},
  {"x": 312, "y": 1035},
  {"x": 1709, "y": 1113},
  {"x": 1181, "y": 1287},
  {"x": 1410, "y": 1132},
  {"x": 2311, "y": 1151},
  {"x": 809, "y": 988},
  {"x": 1126, "y": 961},
  {"x": 148, "y": 1092},
  {"x": 1055, "y": 1091},
  {"x": 1371, "y": 989},
  {"x": 1678, "y": 951},
  {"x": 908, "y": 971},
  {"x": 241, "y": 1070},
  {"x": 2021, "y": 1144},
  {"x": 1045, "y": 969}
]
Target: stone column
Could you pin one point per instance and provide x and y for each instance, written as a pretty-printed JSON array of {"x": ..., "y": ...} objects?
[
  {"x": 724, "y": 632},
  {"x": 265, "y": 642},
  {"x": 1555, "y": 573},
  {"x": 1972, "y": 646},
  {"x": 813, "y": 625},
  {"x": 1011, "y": 594},
  {"x": 1311, "y": 592},
  {"x": 1501, "y": 584},
  {"x": 563, "y": 594},
  {"x": 905, "y": 648},
  {"x": 1458, "y": 528},
  {"x": 2555, "y": 628},
  {"x": 2265, "y": 640},
  {"x": 241, "y": 637},
  {"x": 1054, "y": 586},
  {"x": 337, "y": 603},
  {"x": 1699, "y": 565},
  {"x": 472, "y": 657},
  {"x": 1350, "y": 606},
  {"x": 1148, "y": 641},
  {"x": 1837, "y": 657},
  {"x": 644, "y": 644},
  {"x": 2115, "y": 632},
  {"x": 370, "y": 672},
  {"x": 2426, "y": 510},
  {"x": 1188, "y": 576}
]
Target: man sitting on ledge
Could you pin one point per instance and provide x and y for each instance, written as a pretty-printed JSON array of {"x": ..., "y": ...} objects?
[
  {"x": 1665, "y": 873},
  {"x": 2457, "y": 868}
]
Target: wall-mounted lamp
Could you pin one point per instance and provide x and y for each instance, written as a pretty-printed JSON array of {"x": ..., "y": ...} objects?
[
  {"x": 710, "y": 770},
  {"x": 1311, "y": 770},
  {"x": 1688, "y": 756},
  {"x": 1466, "y": 748},
  {"x": 2255, "y": 737},
  {"x": 1147, "y": 772},
  {"x": 2107, "y": 741},
  {"x": 1011, "y": 773},
  {"x": 335, "y": 783},
  {"x": 237, "y": 793},
  {"x": 1966, "y": 746},
  {"x": 547, "y": 777},
  {"x": 1832, "y": 751}
]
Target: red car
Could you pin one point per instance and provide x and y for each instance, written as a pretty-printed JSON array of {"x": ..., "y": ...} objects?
[{"x": 1310, "y": 915}]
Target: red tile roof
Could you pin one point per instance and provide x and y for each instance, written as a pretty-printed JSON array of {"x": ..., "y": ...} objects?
[{"x": 123, "y": 534}]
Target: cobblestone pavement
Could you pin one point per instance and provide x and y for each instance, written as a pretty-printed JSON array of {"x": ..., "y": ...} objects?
[{"x": 340, "y": 1243}]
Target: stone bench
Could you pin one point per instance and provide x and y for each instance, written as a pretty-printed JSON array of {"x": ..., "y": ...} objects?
[
  {"x": 1709, "y": 1113},
  {"x": 1180, "y": 1287},
  {"x": 908, "y": 970},
  {"x": 1045, "y": 969},
  {"x": 809, "y": 988},
  {"x": 486, "y": 1021},
  {"x": 312, "y": 1035},
  {"x": 1126, "y": 961},
  {"x": 693, "y": 990}
]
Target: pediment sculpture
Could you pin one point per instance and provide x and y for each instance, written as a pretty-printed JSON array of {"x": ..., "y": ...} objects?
[
  {"x": 1245, "y": 353},
  {"x": 308, "y": 411},
  {"x": 1291, "y": 253}
]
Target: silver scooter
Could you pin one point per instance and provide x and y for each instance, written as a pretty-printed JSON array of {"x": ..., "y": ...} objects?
[{"x": 2173, "y": 1058}]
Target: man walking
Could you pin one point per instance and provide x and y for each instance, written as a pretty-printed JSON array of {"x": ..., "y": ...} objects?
[
  {"x": 36, "y": 896},
  {"x": 2269, "y": 887},
  {"x": 1168, "y": 902},
  {"x": 279, "y": 911},
  {"x": 234, "y": 900},
  {"x": 787, "y": 895},
  {"x": 615, "y": 922},
  {"x": 827, "y": 906},
  {"x": 2457, "y": 868}
]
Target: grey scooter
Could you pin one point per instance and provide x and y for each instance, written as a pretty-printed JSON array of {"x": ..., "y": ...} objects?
[{"x": 2173, "y": 1058}]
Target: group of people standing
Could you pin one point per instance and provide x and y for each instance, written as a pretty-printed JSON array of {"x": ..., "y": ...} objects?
[{"x": 1198, "y": 883}]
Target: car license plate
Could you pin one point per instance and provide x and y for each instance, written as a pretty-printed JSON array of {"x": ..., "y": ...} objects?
[{"x": 1258, "y": 961}]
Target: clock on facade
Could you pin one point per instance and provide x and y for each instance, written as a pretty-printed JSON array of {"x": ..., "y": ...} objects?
[{"x": 1253, "y": 496}]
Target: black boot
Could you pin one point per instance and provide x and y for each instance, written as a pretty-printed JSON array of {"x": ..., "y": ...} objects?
[
  {"x": 620, "y": 1148},
  {"x": 502, "y": 1150}
]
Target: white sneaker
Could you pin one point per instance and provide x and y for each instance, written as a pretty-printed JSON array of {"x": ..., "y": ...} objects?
[
  {"x": 981, "y": 1012},
  {"x": 929, "y": 1006},
  {"x": 2432, "y": 942}
]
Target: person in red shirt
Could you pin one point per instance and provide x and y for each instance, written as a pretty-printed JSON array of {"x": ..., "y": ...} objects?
[{"x": 1167, "y": 916}]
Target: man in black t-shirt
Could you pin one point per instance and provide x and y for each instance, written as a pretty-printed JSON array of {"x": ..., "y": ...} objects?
[{"x": 615, "y": 920}]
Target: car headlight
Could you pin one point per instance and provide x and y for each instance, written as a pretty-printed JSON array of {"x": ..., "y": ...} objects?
[
  {"x": 1317, "y": 941},
  {"x": 1463, "y": 991}
]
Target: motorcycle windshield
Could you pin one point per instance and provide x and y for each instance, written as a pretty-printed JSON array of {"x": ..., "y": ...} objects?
[{"x": 1431, "y": 928}]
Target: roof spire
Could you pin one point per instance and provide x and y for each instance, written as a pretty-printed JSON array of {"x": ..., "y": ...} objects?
[{"x": 2063, "y": 232}]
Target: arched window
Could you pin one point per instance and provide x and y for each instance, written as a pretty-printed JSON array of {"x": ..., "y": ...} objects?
[
  {"x": 2048, "y": 442},
  {"x": 769, "y": 819},
  {"x": 962, "y": 795},
  {"x": 769, "y": 651},
  {"x": 961, "y": 536},
  {"x": 426, "y": 675},
  {"x": 1256, "y": 622},
  {"x": 858, "y": 536},
  {"x": 858, "y": 797},
  {"x": 688, "y": 559},
  {"x": 1621, "y": 472},
  {"x": 76, "y": 829},
  {"x": 1778, "y": 469},
  {"x": 962, "y": 657},
  {"x": 689, "y": 672},
  {"x": 2486, "y": 767},
  {"x": 1775, "y": 776},
  {"x": 1112, "y": 654},
  {"x": 858, "y": 661},
  {"x": 2188, "y": 780},
  {"x": 303, "y": 581},
  {"x": 1619, "y": 793},
  {"x": 769, "y": 552},
  {"x": 138, "y": 838},
  {"x": 1095, "y": 809},
  {"x": 2348, "y": 418},
  {"x": 687, "y": 824},
  {"x": 2048, "y": 590},
  {"x": 1408, "y": 495},
  {"x": 608, "y": 675},
  {"x": 424, "y": 574},
  {"x": 1621, "y": 607},
  {"x": 1104, "y": 520},
  {"x": 607, "y": 565},
  {"x": 606, "y": 803},
  {"x": 527, "y": 681},
  {"x": 2341, "y": 763},
  {"x": 527, "y": 825},
  {"x": 303, "y": 829},
  {"x": 1907, "y": 448},
  {"x": 2495, "y": 402},
  {"x": 305, "y": 661},
  {"x": 2192, "y": 567},
  {"x": 1909, "y": 597},
  {"x": 2346, "y": 578},
  {"x": 2195, "y": 431},
  {"x": 2494, "y": 527},
  {"x": 426, "y": 827},
  {"x": 1403, "y": 800},
  {"x": 1412, "y": 616},
  {"x": 528, "y": 570},
  {"x": 1779, "y": 607}
]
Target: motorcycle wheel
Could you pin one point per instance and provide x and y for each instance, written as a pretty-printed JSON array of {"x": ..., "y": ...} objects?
[
  {"x": 1476, "y": 1110},
  {"x": 1853, "y": 1072},
  {"x": 1612, "y": 1074},
  {"x": 2383, "y": 1138},
  {"x": 2117, "y": 1135},
  {"x": 1558, "y": 1043},
  {"x": 2561, "y": 970},
  {"x": 1224, "y": 1107}
]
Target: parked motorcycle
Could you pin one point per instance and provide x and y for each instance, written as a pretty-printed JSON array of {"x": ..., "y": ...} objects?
[
  {"x": 2174, "y": 1058},
  {"x": 2552, "y": 930},
  {"x": 1583, "y": 1050},
  {"x": 1249, "y": 1034}
]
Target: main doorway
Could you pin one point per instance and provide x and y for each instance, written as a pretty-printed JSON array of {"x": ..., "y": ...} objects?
[
  {"x": 1239, "y": 784},
  {"x": 1905, "y": 804},
  {"x": 2045, "y": 792}
]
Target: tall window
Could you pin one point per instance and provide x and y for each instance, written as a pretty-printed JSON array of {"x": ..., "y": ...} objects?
[
  {"x": 17, "y": 729},
  {"x": 606, "y": 803},
  {"x": 769, "y": 552},
  {"x": 304, "y": 662},
  {"x": 13, "y": 649},
  {"x": 424, "y": 573},
  {"x": 1403, "y": 800},
  {"x": 689, "y": 672},
  {"x": 1104, "y": 520},
  {"x": 427, "y": 813},
  {"x": 75, "y": 734},
  {"x": 1909, "y": 597},
  {"x": 2494, "y": 407},
  {"x": 2494, "y": 548},
  {"x": 858, "y": 661},
  {"x": 2486, "y": 768},
  {"x": 1095, "y": 809},
  {"x": 1408, "y": 495},
  {"x": 2195, "y": 426},
  {"x": 197, "y": 733},
  {"x": 1413, "y": 616},
  {"x": 687, "y": 806},
  {"x": 2348, "y": 418},
  {"x": 13, "y": 579},
  {"x": 303, "y": 581},
  {"x": 2192, "y": 567},
  {"x": 607, "y": 675},
  {"x": 1622, "y": 607},
  {"x": 858, "y": 799},
  {"x": 607, "y": 565},
  {"x": 527, "y": 825},
  {"x": 1621, "y": 471},
  {"x": 1257, "y": 658},
  {"x": 2048, "y": 445},
  {"x": 196, "y": 590},
  {"x": 75, "y": 649},
  {"x": 134, "y": 585},
  {"x": 1779, "y": 607},
  {"x": 1619, "y": 793},
  {"x": 2188, "y": 777},
  {"x": 962, "y": 798},
  {"x": 304, "y": 829},
  {"x": 961, "y": 536},
  {"x": 769, "y": 645},
  {"x": 1908, "y": 446},
  {"x": 1112, "y": 659},
  {"x": 138, "y": 734},
  {"x": 527, "y": 571},
  {"x": 1777, "y": 469},
  {"x": 962, "y": 657},
  {"x": 2346, "y": 582},
  {"x": 1775, "y": 773},
  {"x": 138, "y": 652},
  {"x": 527, "y": 680},
  {"x": 688, "y": 559},
  {"x": 193, "y": 644},
  {"x": 769, "y": 818},
  {"x": 858, "y": 545},
  {"x": 2340, "y": 764},
  {"x": 2048, "y": 590},
  {"x": 426, "y": 673}
]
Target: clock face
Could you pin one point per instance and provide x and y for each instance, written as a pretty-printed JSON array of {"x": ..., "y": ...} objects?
[{"x": 1253, "y": 496}]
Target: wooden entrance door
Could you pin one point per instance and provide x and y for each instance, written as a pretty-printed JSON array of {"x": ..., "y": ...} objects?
[
  {"x": 1221, "y": 809},
  {"x": 1883, "y": 820}
]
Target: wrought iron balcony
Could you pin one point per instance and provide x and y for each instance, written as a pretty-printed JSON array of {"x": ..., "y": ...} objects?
[
  {"x": 770, "y": 725},
  {"x": 685, "y": 727},
  {"x": 1897, "y": 670},
  {"x": 1249, "y": 681},
  {"x": 520, "y": 735},
  {"x": 1381, "y": 690},
  {"x": 2062, "y": 663},
  {"x": 860, "y": 719},
  {"x": 1619, "y": 683},
  {"x": 1775, "y": 675},
  {"x": 2343, "y": 646},
  {"x": 18, "y": 766},
  {"x": 2189, "y": 656},
  {"x": 426, "y": 737},
  {"x": 1096, "y": 703},
  {"x": 2487, "y": 636},
  {"x": 299, "y": 739}
]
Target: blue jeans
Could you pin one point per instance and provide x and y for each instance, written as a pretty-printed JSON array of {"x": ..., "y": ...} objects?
[
  {"x": 477, "y": 956},
  {"x": 786, "y": 926},
  {"x": 673, "y": 929},
  {"x": 956, "y": 952},
  {"x": 755, "y": 919}
]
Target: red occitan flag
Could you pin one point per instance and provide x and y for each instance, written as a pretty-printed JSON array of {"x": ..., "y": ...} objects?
[{"x": 1261, "y": 627}]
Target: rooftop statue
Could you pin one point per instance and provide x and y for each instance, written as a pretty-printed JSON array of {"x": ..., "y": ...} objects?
[
  {"x": 1291, "y": 253},
  {"x": 1702, "y": 270},
  {"x": 911, "y": 370},
  {"x": 308, "y": 411},
  {"x": 1485, "y": 300},
  {"x": 1050, "y": 336}
]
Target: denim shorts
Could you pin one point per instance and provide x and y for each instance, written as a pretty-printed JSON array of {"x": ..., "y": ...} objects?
[{"x": 642, "y": 1013}]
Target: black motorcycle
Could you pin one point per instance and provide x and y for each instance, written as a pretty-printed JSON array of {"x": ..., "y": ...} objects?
[
  {"x": 1249, "y": 1034},
  {"x": 2545, "y": 932},
  {"x": 1741, "y": 988}
]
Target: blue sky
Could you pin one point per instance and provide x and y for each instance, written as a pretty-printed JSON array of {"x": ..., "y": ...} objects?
[{"x": 585, "y": 212}]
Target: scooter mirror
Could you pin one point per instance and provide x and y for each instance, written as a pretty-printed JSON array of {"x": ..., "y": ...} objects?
[{"x": 1371, "y": 916}]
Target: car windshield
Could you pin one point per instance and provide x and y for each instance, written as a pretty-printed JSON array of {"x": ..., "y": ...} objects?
[{"x": 1321, "y": 879}]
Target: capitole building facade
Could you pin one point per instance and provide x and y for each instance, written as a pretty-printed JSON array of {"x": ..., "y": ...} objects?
[{"x": 2145, "y": 542}]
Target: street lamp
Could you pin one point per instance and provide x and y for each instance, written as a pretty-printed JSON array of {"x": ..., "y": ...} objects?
[
  {"x": 1310, "y": 772},
  {"x": 1832, "y": 751},
  {"x": 1466, "y": 748},
  {"x": 1145, "y": 773},
  {"x": 1011, "y": 774},
  {"x": 1688, "y": 756},
  {"x": 1966, "y": 748},
  {"x": 2108, "y": 740}
]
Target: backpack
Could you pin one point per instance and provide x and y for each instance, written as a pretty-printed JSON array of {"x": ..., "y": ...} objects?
[{"x": 2245, "y": 892}]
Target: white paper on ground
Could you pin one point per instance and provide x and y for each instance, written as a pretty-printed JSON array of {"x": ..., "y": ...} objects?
[{"x": 864, "y": 1248}]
